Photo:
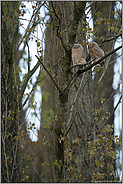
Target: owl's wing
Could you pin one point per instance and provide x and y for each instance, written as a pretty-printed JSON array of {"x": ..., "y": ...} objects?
[
  {"x": 98, "y": 52},
  {"x": 83, "y": 54}
]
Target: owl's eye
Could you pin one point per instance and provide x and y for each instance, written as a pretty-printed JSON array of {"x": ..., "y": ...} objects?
[{"x": 75, "y": 47}]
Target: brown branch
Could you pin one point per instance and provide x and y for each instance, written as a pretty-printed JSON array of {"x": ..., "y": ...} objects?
[
  {"x": 28, "y": 58},
  {"x": 58, "y": 34},
  {"x": 31, "y": 90},
  {"x": 55, "y": 13},
  {"x": 110, "y": 115},
  {"x": 110, "y": 39},
  {"x": 48, "y": 73},
  {"x": 51, "y": 69},
  {"x": 26, "y": 81}
]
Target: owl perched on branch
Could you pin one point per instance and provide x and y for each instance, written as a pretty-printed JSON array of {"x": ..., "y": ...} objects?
[
  {"x": 78, "y": 55},
  {"x": 96, "y": 52}
]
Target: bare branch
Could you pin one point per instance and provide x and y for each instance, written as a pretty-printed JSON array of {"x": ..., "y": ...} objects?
[
  {"x": 110, "y": 115},
  {"x": 112, "y": 38},
  {"x": 55, "y": 13},
  {"x": 26, "y": 81},
  {"x": 48, "y": 73},
  {"x": 90, "y": 4},
  {"x": 51, "y": 69},
  {"x": 105, "y": 68},
  {"x": 31, "y": 90},
  {"x": 28, "y": 58},
  {"x": 114, "y": 92},
  {"x": 58, "y": 34},
  {"x": 82, "y": 64}
]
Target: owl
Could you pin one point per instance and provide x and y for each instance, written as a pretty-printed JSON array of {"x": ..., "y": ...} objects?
[
  {"x": 96, "y": 52},
  {"x": 78, "y": 55}
]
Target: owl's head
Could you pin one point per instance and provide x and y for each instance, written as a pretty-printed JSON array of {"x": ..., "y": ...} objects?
[
  {"x": 92, "y": 44},
  {"x": 77, "y": 46}
]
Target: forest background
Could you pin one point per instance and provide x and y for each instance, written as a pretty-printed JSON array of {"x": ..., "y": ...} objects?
[{"x": 78, "y": 139}]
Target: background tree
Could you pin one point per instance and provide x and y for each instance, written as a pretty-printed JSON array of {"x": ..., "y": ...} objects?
[{"x": 70, "y": 147}]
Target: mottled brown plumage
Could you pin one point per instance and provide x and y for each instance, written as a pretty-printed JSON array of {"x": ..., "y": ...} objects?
[
  {"x": 78, "y": 55},
  {"x": 95, "y": 52}
]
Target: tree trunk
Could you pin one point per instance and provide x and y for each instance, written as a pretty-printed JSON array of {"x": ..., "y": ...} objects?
[
  {"x": 83, "y": 122},
  {"x": 10, "y": 121}
]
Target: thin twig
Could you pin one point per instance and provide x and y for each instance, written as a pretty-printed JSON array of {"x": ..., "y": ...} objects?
[
  {"x": 48, "y": 73},
  {"x": 51, "y": 69},
  {"x": 110, "y": 96},
  {"x": 110, "y": 115},
  {"x": 110, "y": 39},
  {"x": 106, "y": 67},
  {"x": 33, "y": 16}
]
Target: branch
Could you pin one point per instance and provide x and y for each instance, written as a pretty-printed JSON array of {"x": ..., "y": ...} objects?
[
  {"x": 31, "y": 90},
  {"x": 34, "y": 23},
  {"x": 28, "y": 58},
  {"x": 48, "y": 73},
  {"x": 114, "y": 92},
  {"x": 63, "y": 44},
  {"x": 90, "y": 4},
  {"x": 110, "y": 115},
  {"x": 82, "y": 64},
  {"x": 55, "y": 13},
  {"x": 110, "y": 39},
  {"x": 51, "y": 69},
  {"x": 87, "y": 68},
  {"x": 105, "y": 68},
  {"x": 26, "y": 81}
]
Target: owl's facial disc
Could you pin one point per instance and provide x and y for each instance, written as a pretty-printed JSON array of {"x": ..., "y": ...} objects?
[{"x": 76, "y": 46}]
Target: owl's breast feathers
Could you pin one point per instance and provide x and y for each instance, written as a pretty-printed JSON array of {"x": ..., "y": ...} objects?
[{"x": 78, "y": 55}]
